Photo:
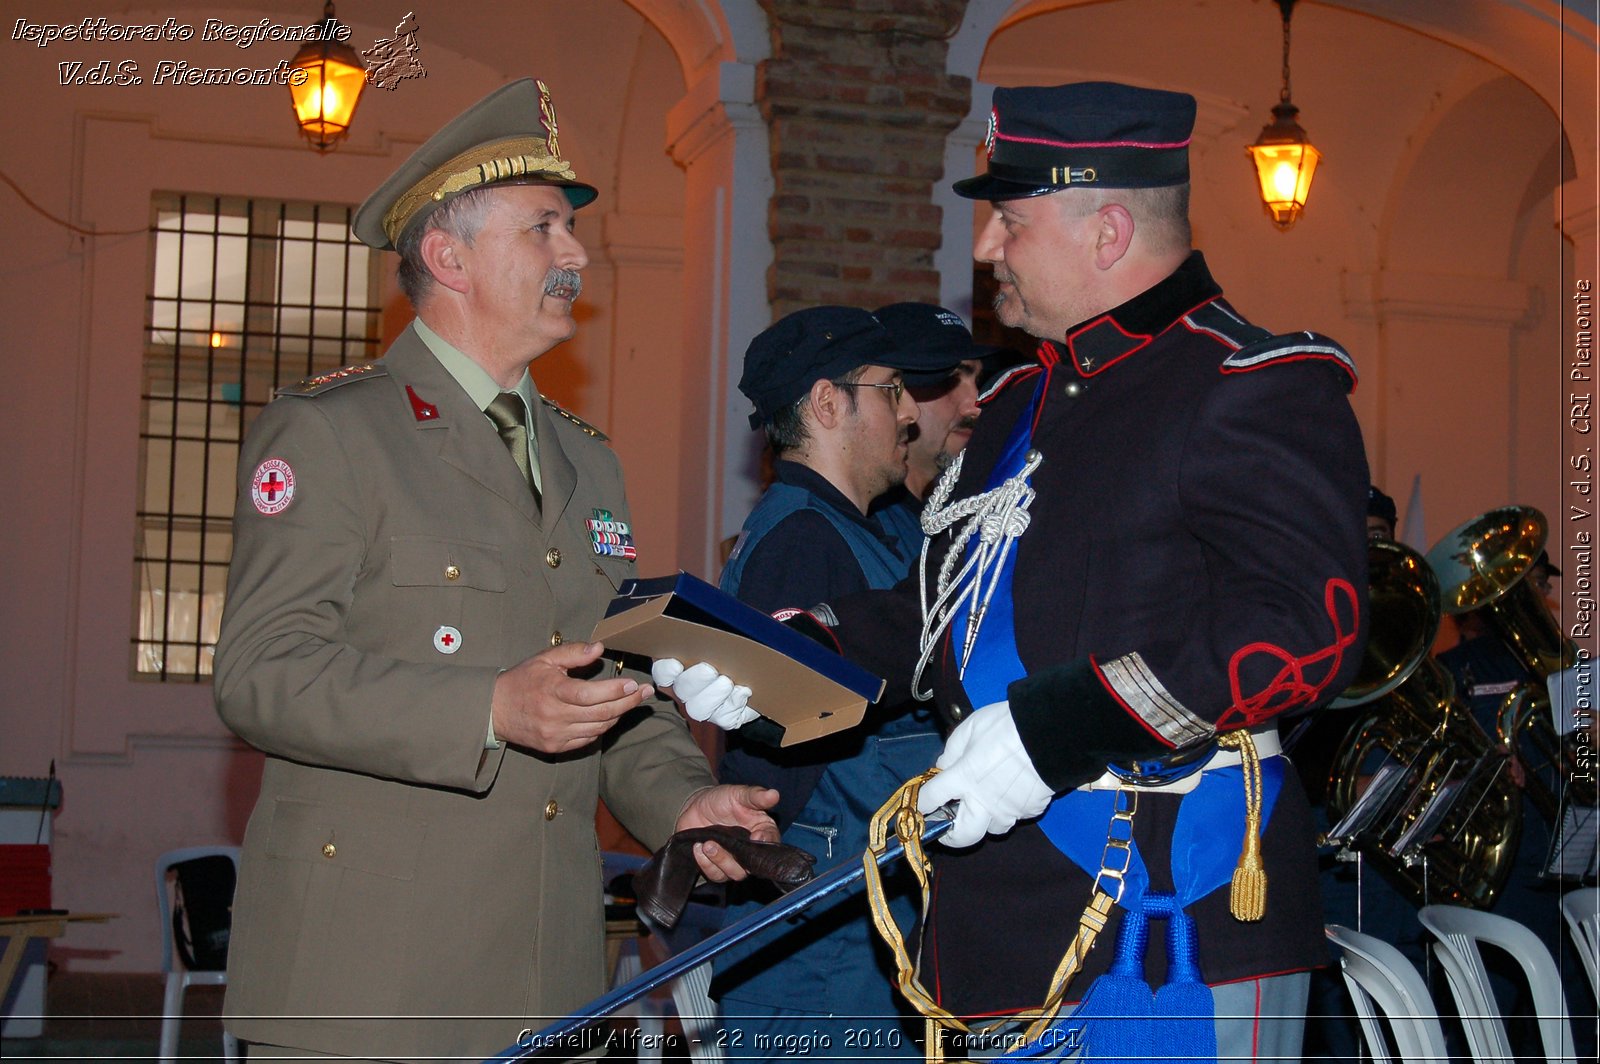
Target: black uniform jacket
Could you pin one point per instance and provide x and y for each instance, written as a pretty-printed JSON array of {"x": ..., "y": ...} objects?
[{"x": 1196, "y": 560}]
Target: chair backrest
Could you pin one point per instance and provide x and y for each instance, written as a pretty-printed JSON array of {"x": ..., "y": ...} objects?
[
  {"x": 1459, "y": 931},
  {"x": 1581, "y": 909},
  {"x": 1377, "y": 973},
  {"x": 204, "y": 905}
]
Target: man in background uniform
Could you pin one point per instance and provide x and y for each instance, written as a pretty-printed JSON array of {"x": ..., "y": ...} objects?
[
  {"x": 947, "y": 406},
  {"x": 828, "y": 391},
  {"x": 422, "y": 545}
]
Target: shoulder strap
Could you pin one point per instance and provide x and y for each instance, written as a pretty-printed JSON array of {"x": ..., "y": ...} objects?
[
  {"x": 567, "y": 415},
  {"x": 1292, "y": 347},
  {"x": 310, "y": 387}
]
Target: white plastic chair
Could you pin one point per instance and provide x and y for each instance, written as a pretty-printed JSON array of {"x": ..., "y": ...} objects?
[
  {"x": 1377, "y": 973},
  {"x": 1459, "y": 931},
  {"x": 697, "y": 1013},
  {"x": 1581, "y": 909},
  {"x": 180, "y": 978}
]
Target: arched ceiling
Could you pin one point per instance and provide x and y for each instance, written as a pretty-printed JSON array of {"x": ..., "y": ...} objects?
[{"x": 1549, "y": 46}]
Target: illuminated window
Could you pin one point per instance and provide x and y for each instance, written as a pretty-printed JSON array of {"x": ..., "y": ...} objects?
[{"x": 245, "y": 296}]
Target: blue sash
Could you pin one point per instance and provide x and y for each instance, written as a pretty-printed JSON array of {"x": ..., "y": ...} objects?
[{"x": 1205, "y": 848}]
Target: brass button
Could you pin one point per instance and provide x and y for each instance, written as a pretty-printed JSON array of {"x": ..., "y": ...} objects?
[
  {"x": 552, "y": 557},
  {"x": 556, "y": 639},
  {"x": 551, "y": 809},
  {"x": 452, "y": 573},
  {"x": 328, "y": 850}
]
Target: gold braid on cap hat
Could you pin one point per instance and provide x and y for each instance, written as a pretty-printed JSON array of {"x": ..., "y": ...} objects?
[{"x": 484, "y": 164}]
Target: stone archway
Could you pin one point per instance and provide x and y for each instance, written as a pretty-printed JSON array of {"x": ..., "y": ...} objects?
[
  {"x": 717, "y": 134},
  {"x": 1544, "y": 44},
  {"x": 1468, "y": 362}
]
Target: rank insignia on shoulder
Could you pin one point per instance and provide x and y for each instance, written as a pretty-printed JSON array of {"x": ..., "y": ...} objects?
[
  {"x": 562, "y": 412},
  {"x": 610, "y": 537},
  {"x": 1292, "y": 347},
  {"x": 310, "y": 386}
]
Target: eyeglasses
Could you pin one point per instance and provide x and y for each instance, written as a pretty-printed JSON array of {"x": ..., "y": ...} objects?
[{"x": 896, "y": 387}]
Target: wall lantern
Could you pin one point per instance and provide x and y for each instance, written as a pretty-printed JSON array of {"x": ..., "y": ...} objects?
[
  {"x": 1284, "y": 157},
  {"x": 326, "y": 97}
]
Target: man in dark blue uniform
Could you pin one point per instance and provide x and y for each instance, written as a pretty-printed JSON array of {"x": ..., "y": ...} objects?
[
  {"x": 1182, "y": 495},
  {"x": 828, "y": 391},
  {"x": 947, "y": 406},
  {"x": 1152, "y": 546}
]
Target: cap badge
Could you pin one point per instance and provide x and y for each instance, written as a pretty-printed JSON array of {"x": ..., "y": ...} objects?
[
  {"x": 547, "y": 112},
  {"x": 272, "y": 486},
  {"x": 447, "y": 640},
  {"x": 992, "y": 132}
]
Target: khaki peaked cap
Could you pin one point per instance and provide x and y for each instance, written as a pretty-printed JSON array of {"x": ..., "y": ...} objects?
[{"x": 509, "y": 135}]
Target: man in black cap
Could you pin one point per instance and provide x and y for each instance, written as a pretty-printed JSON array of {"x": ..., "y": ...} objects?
[
  {"x": 418, "y": 559},
  {"x": 947, "y": 405},
  {"x": 1157, "y": 548},
  {"x": 1381, "y": 514},
  {"x": 829, "y": 391}
]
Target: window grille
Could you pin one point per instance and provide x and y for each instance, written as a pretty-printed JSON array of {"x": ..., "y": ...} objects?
[{"x": 245, "y": 296}]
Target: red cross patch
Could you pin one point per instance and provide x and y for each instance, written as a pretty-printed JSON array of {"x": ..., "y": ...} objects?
[{"x": 272, "y": 487}]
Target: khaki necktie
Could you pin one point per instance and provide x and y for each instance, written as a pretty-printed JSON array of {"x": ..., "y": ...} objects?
[{"x": 505, "y": 410}]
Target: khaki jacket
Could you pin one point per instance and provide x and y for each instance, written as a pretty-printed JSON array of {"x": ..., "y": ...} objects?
[{"x": 405, "y": 891}]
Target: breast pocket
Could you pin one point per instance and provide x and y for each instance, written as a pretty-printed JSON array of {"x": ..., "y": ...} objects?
[
  {"x": 431, "y": 561},
  {"x": 444, "y": 584}
]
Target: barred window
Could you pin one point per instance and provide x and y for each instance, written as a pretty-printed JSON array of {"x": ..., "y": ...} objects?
[{"x": 245, "y": 296}]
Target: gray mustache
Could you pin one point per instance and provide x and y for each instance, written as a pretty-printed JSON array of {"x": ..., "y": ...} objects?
[{"x": 560, "y": 278}]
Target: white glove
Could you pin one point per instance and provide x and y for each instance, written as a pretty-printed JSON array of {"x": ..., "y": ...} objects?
[
  {"x": 986, "y": 770},
  {"x": 705, "y": 693}
]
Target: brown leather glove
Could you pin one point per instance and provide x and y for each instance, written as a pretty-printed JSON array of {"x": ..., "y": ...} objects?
[{"x": 661, "y": 888}]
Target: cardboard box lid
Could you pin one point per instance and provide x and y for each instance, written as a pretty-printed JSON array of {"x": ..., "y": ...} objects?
[{"x": 805, "y": 687}]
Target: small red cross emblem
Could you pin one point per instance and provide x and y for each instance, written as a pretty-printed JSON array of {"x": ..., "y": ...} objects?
[{"x": 272, "y": 487}]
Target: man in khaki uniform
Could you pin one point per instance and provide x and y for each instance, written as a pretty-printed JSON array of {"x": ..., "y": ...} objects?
[{"x": 421, "y": 875}]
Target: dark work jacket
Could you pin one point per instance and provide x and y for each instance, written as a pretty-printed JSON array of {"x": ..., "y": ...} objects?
[
  {"x": 1196, "y": 559},
  {"x": 792, "y": 561},
  {"x": 826, "y": 960}
]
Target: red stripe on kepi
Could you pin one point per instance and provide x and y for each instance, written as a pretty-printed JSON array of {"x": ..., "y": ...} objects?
[{"x": 420, "y": 409}]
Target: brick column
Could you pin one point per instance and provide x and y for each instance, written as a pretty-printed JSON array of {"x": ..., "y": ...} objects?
[{"x": 859, "y": 107}]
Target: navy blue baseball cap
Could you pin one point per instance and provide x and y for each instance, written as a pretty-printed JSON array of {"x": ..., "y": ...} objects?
[
  {"x": 935, "y": 331},
  {"x": 1381, "y": 505},
  {"x": 1092, "y": 134},
  {"x": 823, "y": 343}
]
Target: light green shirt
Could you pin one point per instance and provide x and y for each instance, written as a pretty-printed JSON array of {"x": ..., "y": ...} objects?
[{"x": 482, "y": 389}]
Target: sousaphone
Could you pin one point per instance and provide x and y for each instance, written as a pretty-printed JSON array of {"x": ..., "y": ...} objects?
[
  {"x": 1483, "y": 566},
  {"x": 1416, "y": 786}
]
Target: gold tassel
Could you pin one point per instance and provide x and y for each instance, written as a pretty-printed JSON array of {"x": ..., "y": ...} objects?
[{"x": 1248, "y": 898}]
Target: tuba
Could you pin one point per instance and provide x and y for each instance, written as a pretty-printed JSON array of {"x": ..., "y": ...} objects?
[
  {"x": 1483, "y": 565},
  {"x": 1416, "y": 785}
]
